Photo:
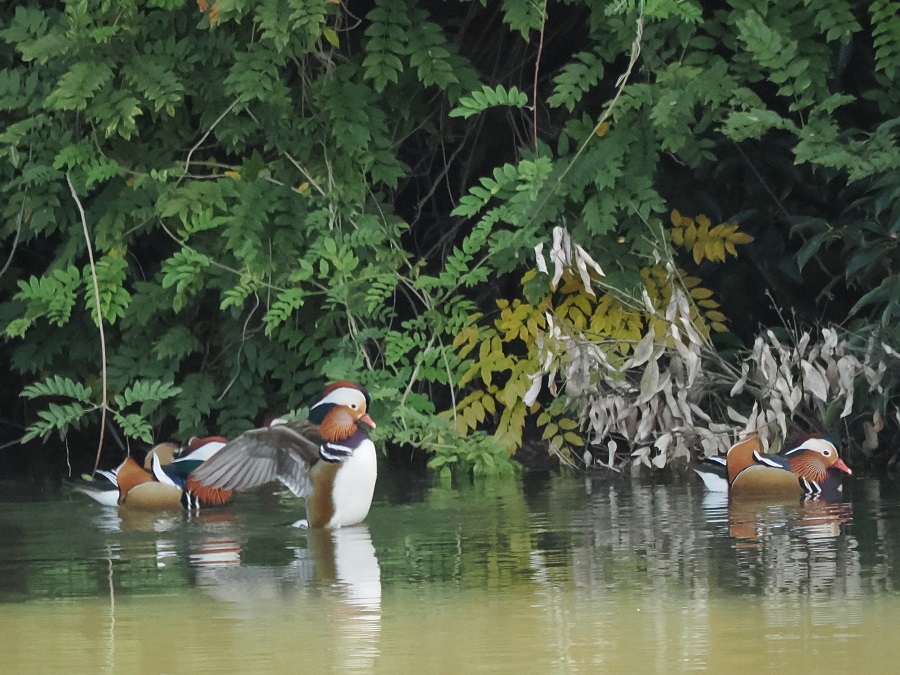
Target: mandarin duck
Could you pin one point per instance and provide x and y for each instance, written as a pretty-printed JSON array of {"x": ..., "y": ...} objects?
[
  {"x": 328, "y": 460},
  {"x": 811, "y": 468},
  {"x": 160, "y": 483}
]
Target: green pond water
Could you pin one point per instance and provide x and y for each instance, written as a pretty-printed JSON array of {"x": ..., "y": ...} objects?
[{"x": 549, "y": 574}]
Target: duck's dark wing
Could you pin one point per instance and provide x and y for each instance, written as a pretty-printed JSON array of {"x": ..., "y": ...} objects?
[
  {"x": 284, "y": 452},
  {"x": 774, "y": 461}
]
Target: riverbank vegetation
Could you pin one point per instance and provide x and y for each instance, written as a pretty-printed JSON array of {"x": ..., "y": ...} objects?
[{"x": 625, "y": 230}]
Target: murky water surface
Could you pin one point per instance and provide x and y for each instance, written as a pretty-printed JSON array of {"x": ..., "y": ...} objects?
[{"x": 549, "y": 574}]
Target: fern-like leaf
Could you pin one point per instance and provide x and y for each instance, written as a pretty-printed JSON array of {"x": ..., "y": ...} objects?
[
  {"x": 182, "y": 271},
  {"x": 287, "y": 301},
  {"x": 134, "y": 426},
  {"x": 148, "y": 393},
  {"x": 429, "y": 54},
  {"x": 58, "y": 385},
  {"x": 77, "y": 87},
  {"x": 576, "y": 79},
  {"x": 114, "y": 298},
  {"x": 387, "y": 42},
  {"x": 886, "y": 36},
  {"x": 523, "y": 16},
  {"x": 56, "y": 417},
  {"x": 489, "y": 97}
]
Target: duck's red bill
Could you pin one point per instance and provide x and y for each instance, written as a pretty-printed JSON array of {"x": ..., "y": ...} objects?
[{"x": 839, "y": 464}]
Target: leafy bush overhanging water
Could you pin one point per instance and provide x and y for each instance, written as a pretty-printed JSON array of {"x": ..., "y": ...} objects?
[{"x": 276, "y": 194}]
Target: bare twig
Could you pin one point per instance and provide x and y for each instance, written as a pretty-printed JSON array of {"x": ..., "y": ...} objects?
[
  {"x": 187, "y": 162},
  {"x": 237, "y": 359},
  {"x": 90, "y": 251},
  {"x": 620, "y": 87},
  {"x": 449, "y": 382},
  {"x": 762, "y": 181},
  {"x": 16, "y": 238},
  {"x": 415, "y": 373},
  {"x": 312, "y": 181}
]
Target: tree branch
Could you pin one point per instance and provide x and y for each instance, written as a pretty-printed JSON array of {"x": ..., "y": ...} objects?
[{"x": 90, "y": 251}]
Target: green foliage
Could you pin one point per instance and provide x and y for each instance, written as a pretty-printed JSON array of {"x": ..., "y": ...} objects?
[
  {"x": 388, "y": 34},
  {"x": 51, "y": 296},
  {"x": 56, "y": 417},
  {"x": 183, "y": 271},
  {"x": 61, "y": 417},
  {"x": 489, "y": 97},
  {"x": 431, "y": 54},
  {"x": 148, "y": 394},
  {"x": 575, "y": 80},
  {"x": 281, "y": 193},
  {"x": 835, "y": 20},
  {"x": 778, "y": 55},
  {"x": 78, "y": 86},
  {"x": 114, "y": 297},
  {"x": 523, "y": 15},
  {"x": 58, "y": 386},
  {"x": 866, "y": 234},
  {"x": 886, "y": 33}
]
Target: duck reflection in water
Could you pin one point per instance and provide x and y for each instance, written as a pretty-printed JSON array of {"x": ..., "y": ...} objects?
[
  {"x": 339, "y": 565},
  {"x": 751, "y": 520},
  {"x": 167, "y": 528}
]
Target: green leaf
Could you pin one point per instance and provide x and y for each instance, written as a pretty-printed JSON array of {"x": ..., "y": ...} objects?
[
  {"x": 332, "y": 37},
  {"x": 886, "y": 292},
  {"x": 56, "y": 417},
  {"x": 182, "y": 271},
  {"x": 286, "y": 302},
  {"x": 134, "y": 426},
  {"x": 78, "y": 85},
  {"x": 57, "y": 385},
  {"x": 142, "y": 391},
  {"x": 575, "y": 80},
  {"x": 489, "y": 97},
  {"x": 523, "y": 16}
]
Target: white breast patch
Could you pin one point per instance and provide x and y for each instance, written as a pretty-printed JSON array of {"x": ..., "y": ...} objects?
[{"x": 354, "y": 485}]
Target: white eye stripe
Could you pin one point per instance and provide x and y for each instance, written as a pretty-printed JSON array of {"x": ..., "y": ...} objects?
[
  {"x": 819, "y": 445},
  {"x": 352, "y": 398}
]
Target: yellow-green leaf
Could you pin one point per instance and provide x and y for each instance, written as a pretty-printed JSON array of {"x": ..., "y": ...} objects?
[
  {"x": 490, "y": 405},
  {"x": 690, "y": 235},
  {"x": 699, "y": 250},
  {"x": 740, "y": 238},
  {"x": 332, "y": 37}
]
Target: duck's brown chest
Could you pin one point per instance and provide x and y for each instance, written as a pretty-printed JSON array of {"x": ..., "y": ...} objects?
[{"x": 320, "y": 503}]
